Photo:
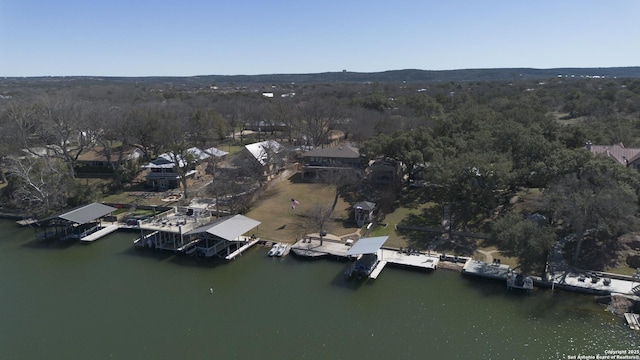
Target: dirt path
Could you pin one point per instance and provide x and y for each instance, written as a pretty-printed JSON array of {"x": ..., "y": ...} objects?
[{"x": 488, "y": 255}]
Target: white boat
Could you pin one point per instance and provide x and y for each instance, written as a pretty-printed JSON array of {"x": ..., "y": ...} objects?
[
  {"x": 274, "y": 249},
  {"x": 281, "y": 249}
]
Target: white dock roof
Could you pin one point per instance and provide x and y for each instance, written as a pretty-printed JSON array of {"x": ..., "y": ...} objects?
[
  {"x": 87, "y": 213},
  {"x": 228, "y": 228},
  {"x": 367, "y": 245}
]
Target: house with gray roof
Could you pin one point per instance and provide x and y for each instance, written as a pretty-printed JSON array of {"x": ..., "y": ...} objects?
[{"x": 336, "y": 158}]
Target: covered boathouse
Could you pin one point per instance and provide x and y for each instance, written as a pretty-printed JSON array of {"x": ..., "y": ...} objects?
[
  {"x": 186, "y": 232},
  {"x": 78, "y": 223},
  {"x": 223, "y": 238},
  {"x": 366, "y": 253}
]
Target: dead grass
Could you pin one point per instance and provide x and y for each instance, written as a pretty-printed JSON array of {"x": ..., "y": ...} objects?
[{"x": 281, "y": 223}]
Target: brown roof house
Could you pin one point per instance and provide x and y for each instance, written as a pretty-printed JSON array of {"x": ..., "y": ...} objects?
[
  {"x": 99, "y": 160},
  {"x": 629, "y": 157},
  {"x": 99, "y": 157},
  {"x": 337, "y": 158}
]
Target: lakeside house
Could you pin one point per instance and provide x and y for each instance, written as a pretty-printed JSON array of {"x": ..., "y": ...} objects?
[
  {"x": 336, "y": 158},
  {"x": 163, "y": 172},
  {"x": 384, "y": 171},
  {"x": 100, "y": 159},
  {"x": 629, "y": 157}
]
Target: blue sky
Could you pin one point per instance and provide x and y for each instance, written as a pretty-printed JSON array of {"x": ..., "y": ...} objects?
[{"x": 182, "y": 38}]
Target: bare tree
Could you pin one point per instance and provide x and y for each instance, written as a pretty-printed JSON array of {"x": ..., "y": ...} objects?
[
  {"x": 317, "y": 117},
  {"x": 115, "y": 139},
  {"x": 41, "y": 183},
  {"x": 341, "y": 180},
  {"x": 283, "y": 112},
  {"x": 65, "y": 123},
  {"x": 16, "y": 126},
  {"x": 319, "y": 215}
]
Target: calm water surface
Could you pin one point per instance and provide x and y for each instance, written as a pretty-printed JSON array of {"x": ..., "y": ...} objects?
[{"x": 107, "y": 300}]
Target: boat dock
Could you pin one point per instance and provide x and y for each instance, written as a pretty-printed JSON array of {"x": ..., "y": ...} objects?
[
  {"x": 310, "y": 247},
  {"x": 633, "y": 320},
  {"x": 483, "y": 269},
  {"x": 377, "y": 270},
  {"x": 242, "y": 249},
  {"x": 590, "y": 283},
  {"x": 100, "y": 233}
]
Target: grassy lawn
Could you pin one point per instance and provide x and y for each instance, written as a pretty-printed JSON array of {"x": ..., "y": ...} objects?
[
  {"x": 394, "y": 218},
  {"x": 623, "y": 269},
  {"x": 281, "y": 223}
]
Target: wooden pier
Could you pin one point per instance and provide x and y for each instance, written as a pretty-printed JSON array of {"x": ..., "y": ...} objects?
[{"x": 100, "y": 233}]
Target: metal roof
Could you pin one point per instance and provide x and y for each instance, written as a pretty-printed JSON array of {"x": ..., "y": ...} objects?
[
  {"x": 342, "y": 152},
  {"x": 365, "y": 205},
  {"x": 87, "y": 213},
  {"x": 229, "y": 228},
  {"x": 367, "y": 245},
  {"x": 215, "y": 152},
  {"x": 262, "y": 150}
]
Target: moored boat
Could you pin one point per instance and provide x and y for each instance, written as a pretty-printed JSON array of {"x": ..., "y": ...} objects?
[
  {"x": 274, "y": 249},
  {"x": 282, "y": 248}
]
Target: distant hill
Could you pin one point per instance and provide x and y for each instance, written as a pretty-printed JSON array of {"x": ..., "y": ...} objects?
[{"x": 392, "y": 76}]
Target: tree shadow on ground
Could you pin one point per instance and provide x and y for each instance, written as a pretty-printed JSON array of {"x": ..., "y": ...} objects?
[
  {"x": 596, "y": 253},
  {"x": 297, "y": 179}
]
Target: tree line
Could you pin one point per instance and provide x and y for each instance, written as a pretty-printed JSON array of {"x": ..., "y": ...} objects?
[{"x": 473, "y": 144}]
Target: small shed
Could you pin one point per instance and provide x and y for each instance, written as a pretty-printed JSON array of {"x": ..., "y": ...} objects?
[{"x": 363, "y": 212}]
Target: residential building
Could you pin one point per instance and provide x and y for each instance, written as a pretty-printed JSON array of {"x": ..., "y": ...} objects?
[
  {"x": 337, "y": 158},
  {"x": 268, "y": 156},
  {"x": 629, "y": 157},
  {"x": 384, "y": 171},
  {"x": 164, "y": 175},
  {"x": 100, "y": 158}
]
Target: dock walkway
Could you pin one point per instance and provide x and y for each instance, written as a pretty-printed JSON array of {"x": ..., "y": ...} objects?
[
  {"x": 101, "y": 233},
  {"x": 241, "y": 249},
  {"x": 377, "y": 270},
  {"x": 312, "y": 248},
  {"x": 483, "y": 269}
]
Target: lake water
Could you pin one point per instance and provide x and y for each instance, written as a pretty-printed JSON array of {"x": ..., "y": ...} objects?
[{"x": 106, "y": 300}]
